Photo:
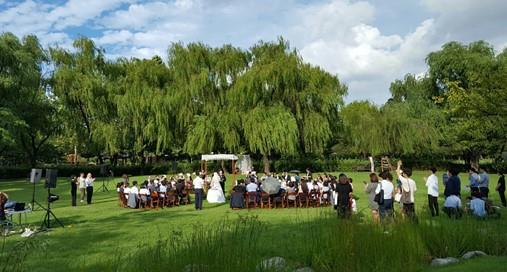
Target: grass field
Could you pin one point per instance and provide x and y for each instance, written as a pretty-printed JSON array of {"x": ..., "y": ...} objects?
[{"x": 105, "y": 237}]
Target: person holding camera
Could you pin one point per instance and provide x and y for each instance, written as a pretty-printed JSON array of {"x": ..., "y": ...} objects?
[{"x": 73, "y": 189}]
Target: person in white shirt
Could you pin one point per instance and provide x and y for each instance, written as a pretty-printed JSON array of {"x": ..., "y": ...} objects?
[
  {"x": 199, "y": 192},
  {"x": 452, "y": 206},
  {"x": 408, "y": 189},
  {"x": 144, "y": 194},
  {"x": 386, "y": 184},
  {"x": 89, "y": 188},
  {"x": 126, "y": 190},
  {"x": 162, "y": 189},
  {"x": 251, "y": 187},
  {"x": 134, "y": 189},
  {"x": 82, "y": 186},
  {"x": 432, "y": 185},
  {"x": 133, "y": 199}
]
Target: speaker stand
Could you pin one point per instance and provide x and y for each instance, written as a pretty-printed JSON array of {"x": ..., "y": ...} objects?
[
  {"x": 46, "y": 222},
  {"x": 33, "y": 202}
]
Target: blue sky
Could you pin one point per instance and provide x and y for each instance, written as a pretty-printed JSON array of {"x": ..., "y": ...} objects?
[{"x": 367, "y": 43}]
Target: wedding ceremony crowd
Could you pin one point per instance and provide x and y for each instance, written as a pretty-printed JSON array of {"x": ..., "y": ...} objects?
[{"x": 287, "y": 190}]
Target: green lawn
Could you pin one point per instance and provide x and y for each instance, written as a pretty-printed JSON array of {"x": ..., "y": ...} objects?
[{"x": 102, "y": 232}]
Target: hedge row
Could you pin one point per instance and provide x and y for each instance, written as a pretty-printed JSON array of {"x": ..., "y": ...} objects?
[{"x": 316, "y": 165}]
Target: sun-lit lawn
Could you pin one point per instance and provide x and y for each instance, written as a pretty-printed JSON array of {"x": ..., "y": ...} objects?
[{"x": 103, "y": 231}]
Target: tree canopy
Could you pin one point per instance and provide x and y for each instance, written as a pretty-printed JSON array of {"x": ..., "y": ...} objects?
[{"x": 265, "y": 100}]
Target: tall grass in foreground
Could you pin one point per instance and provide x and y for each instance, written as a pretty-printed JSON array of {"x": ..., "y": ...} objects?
[{"x": 325, "y": 244}]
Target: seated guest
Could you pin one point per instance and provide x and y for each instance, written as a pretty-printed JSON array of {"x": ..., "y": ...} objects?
[
  {"x": 162, "y": 189},
  {"x": 303, "y": 186},
  {"x": 290, "y": 190},
  {"x": 126, "y": 190},
  {"x": 180, "y": 189},
  {"x": 252, "y": 187},
  {"x": 134, "y": 189},
  {"x": 477, "y": 205},
  {"x": 237, "y": 199},
  {"x": 144, "y": 193},
  {"x": 119, "y": 187},
  {"x": 150, "y": 186},
  {"x": 133, "y": 196},
  {"x": 309, "y": 184},
  {"x": 240, "y": 187},
  {"x": 3, "y": 199},
  {"x": 452, "y": 206}
]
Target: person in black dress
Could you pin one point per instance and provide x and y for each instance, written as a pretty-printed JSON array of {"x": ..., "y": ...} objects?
[
  {"x": 73, "y": 189},
  {"x": 222, "y": 180},
  {"x": 500, "y": 187},
  {"x": 344, "y": 191}
]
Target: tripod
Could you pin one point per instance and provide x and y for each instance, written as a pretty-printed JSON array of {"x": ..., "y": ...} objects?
[
  {"x": 35, "y": 201},
  {"x": 46, "y": 223},
  {"x": 105, "y": 180}
]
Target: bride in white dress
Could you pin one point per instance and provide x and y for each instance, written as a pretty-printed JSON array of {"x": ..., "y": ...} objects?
[{"x": 215, "y": 193}]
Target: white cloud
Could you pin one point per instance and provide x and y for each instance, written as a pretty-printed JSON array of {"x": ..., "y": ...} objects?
[{"x": 345, "y": 37}]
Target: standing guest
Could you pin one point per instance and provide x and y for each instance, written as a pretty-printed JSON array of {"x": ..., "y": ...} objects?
[
  {"x": 73, "y": 189},
  {"x": 125, "y": 179},
  {"x": 408, "y": 189},
  {"x": 484, "y": 182},
  {"x": 474, "y": 179},
  {"x": 344, "y": 193},
  {"x": 82, "y": 186},
  {"x": 370, "y": 189},
  {"x": 445, "y": 177},
  {"x": 432, "y": 185},
  {"x": 89, "y": 188},
  {"x": 387, "y": 185},
  {"x": 353, "y": 204},
  {"x": 453, "y": 186},
  {"x": 222, "y": 180},
  {"x": 198, "y": 188},
  {"x": 500, "y": 188}
]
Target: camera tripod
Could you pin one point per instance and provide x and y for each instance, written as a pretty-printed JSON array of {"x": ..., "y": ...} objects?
[{"x": 105, "y": 183}]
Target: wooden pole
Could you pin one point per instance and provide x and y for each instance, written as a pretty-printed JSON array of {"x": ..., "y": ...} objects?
[{"x": 234, "y": 172}]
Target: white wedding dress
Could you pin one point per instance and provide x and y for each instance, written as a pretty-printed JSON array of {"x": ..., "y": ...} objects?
[{"x": 215, "y": 193}]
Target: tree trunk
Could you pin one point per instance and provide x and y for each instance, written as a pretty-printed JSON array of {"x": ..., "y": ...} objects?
[
  {"x": 265, "y": 161},
  {"x": 100, "y": 159},
  {"x": 472, "y": 159}
]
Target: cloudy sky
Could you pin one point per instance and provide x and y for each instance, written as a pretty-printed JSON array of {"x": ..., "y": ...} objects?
[{"x": 367, "y": 43}]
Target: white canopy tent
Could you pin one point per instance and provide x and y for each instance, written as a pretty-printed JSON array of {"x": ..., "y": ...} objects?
[{"x": 219, "y": 157}]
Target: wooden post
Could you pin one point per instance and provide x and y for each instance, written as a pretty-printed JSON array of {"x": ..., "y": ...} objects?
[{"x": 234, "y": 172}]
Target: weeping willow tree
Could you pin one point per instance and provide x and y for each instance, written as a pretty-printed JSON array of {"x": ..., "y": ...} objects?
[
  {"x": 361, "y": 121},
  {"x": 202, "y": 78},
  {"x": 278, "y": 78},
  {"x": 396, "y": 128},
  {"x": 145, "y": 116},
  {"x": 80, "y": 83}
]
